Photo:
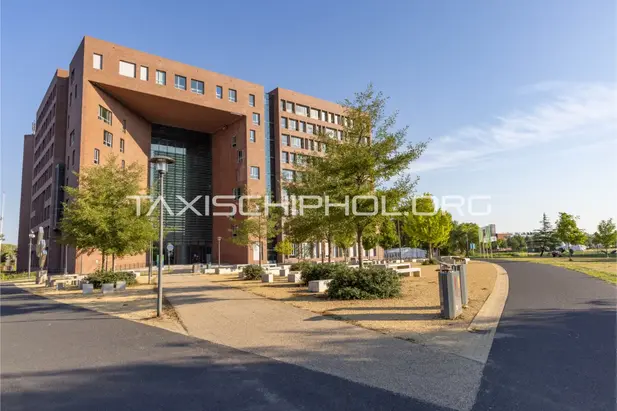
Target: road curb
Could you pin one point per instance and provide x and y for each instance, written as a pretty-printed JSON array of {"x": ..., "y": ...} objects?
[{"x": 484, "y": 324}]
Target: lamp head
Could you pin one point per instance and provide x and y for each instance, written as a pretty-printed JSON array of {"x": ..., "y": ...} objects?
[{"x": 161, "y": 163}]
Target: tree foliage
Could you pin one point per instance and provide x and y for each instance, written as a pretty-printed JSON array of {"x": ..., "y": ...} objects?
[
  {"x": 544, "y": 238},
  {"x": 100, "y": 216},
  {"x": 606, "y": 234},
  {"x": 369, "y": 158},
  {"x": 284, "y": 248},
  {"x": 429, "y": 225},
  {"x": 567, "y": 230},
  {"x": 462, "y": 235}
]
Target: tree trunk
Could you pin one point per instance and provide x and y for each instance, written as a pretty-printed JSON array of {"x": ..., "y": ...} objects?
[
  {"x": 113, "y": 262},
  {"x": 323, "y": 254},
  {"x": 430, "y": 252},
  {"x": 359, "y": 240},
  {"x": 329, "y": 250}
]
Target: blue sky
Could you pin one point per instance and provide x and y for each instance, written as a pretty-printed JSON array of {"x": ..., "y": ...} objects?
[{"x": 519, "y": 98}]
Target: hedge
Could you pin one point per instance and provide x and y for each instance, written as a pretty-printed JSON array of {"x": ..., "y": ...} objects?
[
  {"x": 365, "y": 284},
  {"x": 100, "y": 277},
  {"x": 253, "y": 272},
  {"x": 314, "y": 272}
]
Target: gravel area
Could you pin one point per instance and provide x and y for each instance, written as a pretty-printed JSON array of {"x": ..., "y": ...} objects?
[{"x": 415, "y": 312}]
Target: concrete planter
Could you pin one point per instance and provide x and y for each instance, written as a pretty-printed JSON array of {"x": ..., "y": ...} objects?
[
  {"x": 107, "y": 288},
  {"x": 120, "y": 285},
  {"x": 267, "y": 278},
  {"x": 87, "y": 288},
  {"x": 294, "y": 278}
]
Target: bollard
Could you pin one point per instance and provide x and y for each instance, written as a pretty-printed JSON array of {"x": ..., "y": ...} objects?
[{"x": 450, "y": 293}]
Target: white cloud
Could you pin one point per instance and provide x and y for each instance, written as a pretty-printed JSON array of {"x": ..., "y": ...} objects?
[{"x": 576, "y": 114}]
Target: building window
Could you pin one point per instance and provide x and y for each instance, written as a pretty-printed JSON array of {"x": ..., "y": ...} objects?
[
  {"x": 283, "y": 105},
  {"x": 292, "y": 157},
  {"x": 301, "y": 110},
  {"x": 309, "y": 128},
  {"x": 161, "y": 77},
  {"x": 233, "y": 95},
  {"x": 123, "y": 163},
  {"x": 337, "y": 119},
  {"x": 124, "y": 125},
  {"x": 127, "y": 69},
  {"x": 73, "y": 163},
  {"x": 323, "y": 116},
  {"x": 252, "y": 100},
  {"x": 285, "y": 157},
  {"x": 105, "y": 115},
  {"x": 293, "y": 124},
  {"x": 331, "y": 117},
  {"x": 253, "y": 138},
  {"x": 122, "y": 145},
  {"x": 97, "y": 155},
  {"x": 143, "y": 73},
  {"x": 240, "y": 156},
  {"x": 70, "y": 98},
  {"x": 339, "y": 135},
  {"x": 75, "y": 92},
  {"x": 233, "y": 141},
  {"x": 97, "y": 61},
  {"x": 72, "y": 138},
  {"x": 288, "y": 175},
  {"x": 180, "y": 82},
  {"x": 255, "y": 173},
  {"x": 315, "y": 113},
  {"x": 285, "y": 139},
  {"x": 219, "y": 92},
  {"x": 237, "y": 192},
  {"x": 108, "y": 138},
  {"x": 197, "y": 86},
  {"x": 296, "y": 142},
  {"x": 256, "y": 119},
  {"x": 303, "y": 126},
  {"x": 290, "y": 106},
  {"x": 284, "y": 122}
]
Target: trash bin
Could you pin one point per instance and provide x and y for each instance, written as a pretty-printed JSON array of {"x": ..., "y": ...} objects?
[
  {"x": 450, "y": 292},
  {"x": 463, "y": 275}
]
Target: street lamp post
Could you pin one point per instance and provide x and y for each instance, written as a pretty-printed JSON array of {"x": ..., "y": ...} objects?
[
  {"x": 219, "y": 250},
  {"x": 31, "y": 237},
  {"x": 161, "y": 163}
]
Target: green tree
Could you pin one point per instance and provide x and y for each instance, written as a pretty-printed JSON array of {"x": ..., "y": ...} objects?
[
  {"x": 544, "y": 238},
  {"x": 462, "y": 235},
  {"x": 567, "y": 230},
  {"x": 9, "y": 251},
  {"x": 429, "y": 225},
  {"x": 369, "y": 158},
  {"x": 606, "y": 234},
  {"x": 259, "y": 227},
  {"x": 388, "y": 237},
  {"x": 100, "y": 216},
  {"x": 517, "y": 242},
  {"x": 284, "y": 248},
  {"x": 344, "y": 240}
]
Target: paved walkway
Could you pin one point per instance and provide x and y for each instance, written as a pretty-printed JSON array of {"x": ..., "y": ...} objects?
[{"x": 280, "y": 331}]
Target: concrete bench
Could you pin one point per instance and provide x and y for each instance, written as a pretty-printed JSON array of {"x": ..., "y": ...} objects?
[
  {"x": 318, "y": 286},
  {"x": 267, "y": 278},
  {"x": 411, "y": 271},
  {"x": 222, "y": 270},
  {"x": 294, "y": 278}
]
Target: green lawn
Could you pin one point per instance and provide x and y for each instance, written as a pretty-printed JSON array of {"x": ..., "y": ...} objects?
[{"x": 600, "y": 267}]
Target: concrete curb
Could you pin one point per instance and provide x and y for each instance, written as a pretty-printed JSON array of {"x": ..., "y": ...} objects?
[{"x": 475, "y": 341}]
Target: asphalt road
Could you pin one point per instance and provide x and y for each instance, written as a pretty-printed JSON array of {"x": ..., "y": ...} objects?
[
  {"x": 59, "y": 357},
  {"x": 554, "y": 348}
]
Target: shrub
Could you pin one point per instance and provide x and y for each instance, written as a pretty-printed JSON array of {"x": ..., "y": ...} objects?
[
  {"x": 110, "y": 277},
  {"x": 300, "y": 266},
  {"x": 365, "y": 284},
  {"x": 314, "y": 272},
  {"x": 253, "y": 272},
  {"x": 430, "y": 261}
]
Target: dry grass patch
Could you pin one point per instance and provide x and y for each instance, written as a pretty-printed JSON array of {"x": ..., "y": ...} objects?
[
  {"x": 137, "y": 303},
  {"x": 416, "y": 311}
]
